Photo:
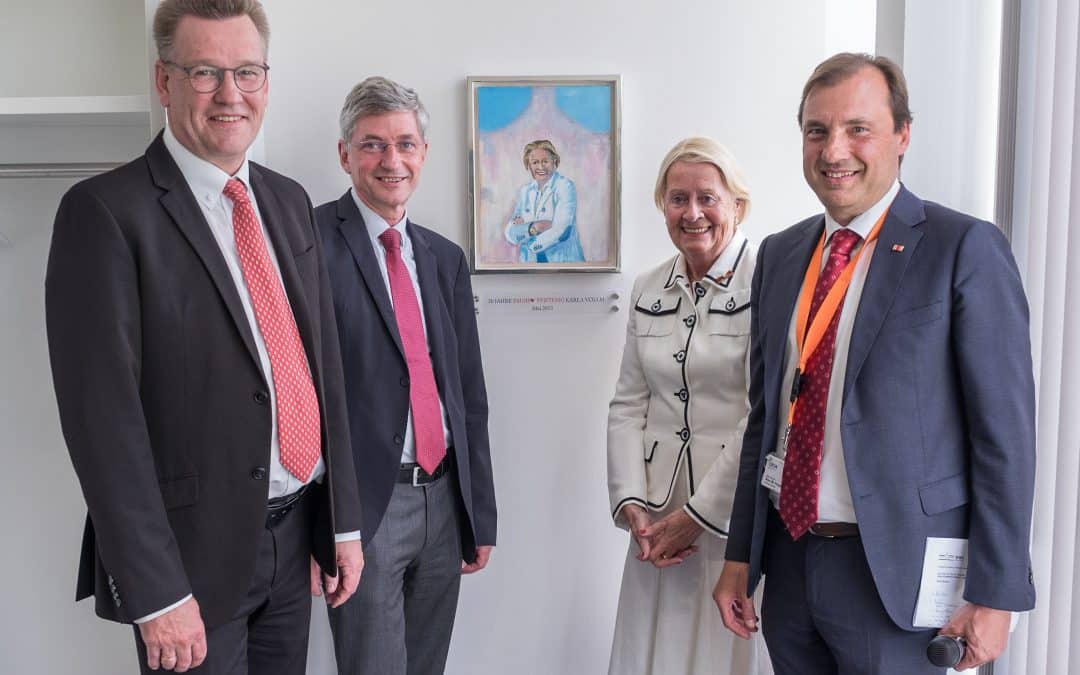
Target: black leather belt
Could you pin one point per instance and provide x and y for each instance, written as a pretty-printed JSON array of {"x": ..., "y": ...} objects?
[
  {"x": 279, "y": 507},
  {"x": 834, "y": 530},
  {"x": 413, "y": 474}
]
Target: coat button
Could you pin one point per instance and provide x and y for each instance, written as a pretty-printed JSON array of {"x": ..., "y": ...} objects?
[
  {"x": 261, "y": 397},
  {"x": 258, "y": 473},
  {"x": 404, "y": 381},
  {"x": 398, "y": 439}
]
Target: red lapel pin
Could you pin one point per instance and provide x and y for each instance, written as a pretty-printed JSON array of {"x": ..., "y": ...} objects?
[{"x": 897, "y": 248}]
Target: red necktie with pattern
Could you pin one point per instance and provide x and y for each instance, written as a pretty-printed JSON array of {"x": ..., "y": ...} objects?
[
  {"x": 299, "y": 433},
  {"x": 802, "y": 464},
  {"x": 423, "y": 394}
]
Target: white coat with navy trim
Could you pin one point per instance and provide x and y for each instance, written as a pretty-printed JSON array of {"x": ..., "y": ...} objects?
[{"x": 680, "y": 404}]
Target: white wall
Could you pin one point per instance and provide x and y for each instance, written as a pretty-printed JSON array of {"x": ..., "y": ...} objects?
[
  {"x": 951, "y": 60},
  {"x": 64, "y": 48}
]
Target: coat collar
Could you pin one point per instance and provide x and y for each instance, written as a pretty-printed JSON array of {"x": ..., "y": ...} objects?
[
  {"x": 896, "y": 245},
  {"x": 722, "y": 271},
  {"x": 179, "y": 202},
  {"x": 354, "y": 231}
]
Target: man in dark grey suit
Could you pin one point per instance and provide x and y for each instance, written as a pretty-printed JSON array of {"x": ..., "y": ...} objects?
[
  {"x": 414, "y": 385},
  {"x": 197, "y": 372},
  {"x": 913, "y": 417}
]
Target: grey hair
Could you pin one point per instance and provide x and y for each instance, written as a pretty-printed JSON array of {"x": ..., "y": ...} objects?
[
  {"x": 169, "y": 12},
  {"x": 377, "y": 95}
]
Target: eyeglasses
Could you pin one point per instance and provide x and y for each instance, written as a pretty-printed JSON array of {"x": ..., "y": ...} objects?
[
  {"x": 207, "y": 79},
  {"x": 379, "y": 147}
]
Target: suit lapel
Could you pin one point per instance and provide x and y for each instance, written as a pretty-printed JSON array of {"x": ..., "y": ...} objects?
[
  {"x": 354, "y": 231},
  {"x": 883, "y": 279},
  {"x": 180, "y": 204},
  {"x": 788, "y": 277},
  {"x": 427, "y": 272},
  {"x": 273, "y": 216}
]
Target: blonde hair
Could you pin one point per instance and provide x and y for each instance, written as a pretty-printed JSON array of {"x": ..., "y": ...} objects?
[
  {"x": 542, "y": 144},
  {"x": 704, "y": 150}
]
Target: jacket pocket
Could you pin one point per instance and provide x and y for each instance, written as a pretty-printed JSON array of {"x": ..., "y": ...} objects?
[
  {"x": 650, "y": 450},
  {"x": 912, "y": 317},
  {"x": 178, "y": 492},
  {"x": 944, "y": 495},
  {"x": 729, "y": 314},
  {"x": 656, "y": 314}
]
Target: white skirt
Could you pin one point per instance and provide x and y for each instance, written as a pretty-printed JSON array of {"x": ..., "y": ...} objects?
[{"x": 668, "y": 623}]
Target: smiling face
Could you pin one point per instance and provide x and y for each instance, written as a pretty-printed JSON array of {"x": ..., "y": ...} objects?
[
  {"x": 700, "y": 213},
  {"x": 385, "y": 181},
  {"x": 541, "y": 165},
  {"x": 851, "y": 150},
  {"x": 218, "y": 127}
]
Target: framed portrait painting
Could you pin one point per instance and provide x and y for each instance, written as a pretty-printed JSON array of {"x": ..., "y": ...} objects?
[{"x": 544, "y": 173}]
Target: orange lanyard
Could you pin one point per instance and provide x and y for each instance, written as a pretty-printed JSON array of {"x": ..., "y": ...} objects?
[{"x": 808, "y": 338}]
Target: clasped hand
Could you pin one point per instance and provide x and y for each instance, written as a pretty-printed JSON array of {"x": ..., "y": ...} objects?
[{"x": 664, "y": 542}]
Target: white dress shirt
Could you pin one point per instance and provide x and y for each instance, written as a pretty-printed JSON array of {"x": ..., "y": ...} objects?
[
  {"x": 376, "y": 225},
  {"x": 834, "y": 494}
]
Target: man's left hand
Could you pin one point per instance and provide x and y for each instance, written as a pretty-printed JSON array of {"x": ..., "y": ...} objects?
[
  {"x": 482, "y": 555},
  {"x": 339, "y": 588},
  {"x": 986, "y": 631}
]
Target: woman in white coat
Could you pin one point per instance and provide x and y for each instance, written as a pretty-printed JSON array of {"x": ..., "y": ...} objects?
[
  {"x": 544, "y": 223},
  {"x": 675, "y": 424}
]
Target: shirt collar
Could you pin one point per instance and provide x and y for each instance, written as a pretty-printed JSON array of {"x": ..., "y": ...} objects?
[
  {"x": 864, "y": 222},
  {"x": 551, "y": 181},
  {"x": 375, "y": 223},
  {"x": 722, "y": 269},
  {"x": 207, "y": 182}
]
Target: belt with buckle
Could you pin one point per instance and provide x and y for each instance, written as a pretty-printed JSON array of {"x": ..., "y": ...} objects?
[
  {"x": 413, "y": 474},
  {"x": 834, "y": 530},
  {"x": 279, "y": 507}
]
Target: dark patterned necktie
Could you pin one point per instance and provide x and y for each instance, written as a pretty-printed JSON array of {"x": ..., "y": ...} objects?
[{"x": 802, "y": 464}]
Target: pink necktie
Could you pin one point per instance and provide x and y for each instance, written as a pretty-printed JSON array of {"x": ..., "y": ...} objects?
[
  {"x": 423, "y": 394},
  {"x": 299, "y": 433},
  {"x": 802, "y": 464}
]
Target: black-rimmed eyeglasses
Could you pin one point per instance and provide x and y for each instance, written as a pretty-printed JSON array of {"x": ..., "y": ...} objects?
[{"x": 249, "y": 78}]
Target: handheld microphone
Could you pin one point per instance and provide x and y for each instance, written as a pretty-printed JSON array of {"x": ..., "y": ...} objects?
[{"x": 945, "y": 651}]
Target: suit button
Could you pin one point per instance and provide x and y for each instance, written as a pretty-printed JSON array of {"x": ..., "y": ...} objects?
[
  {"x": 258, "y": 473},
  {"x": 404, "y": 381},
  {"x": 398, "y": 439},
  {"x": 261, "y": 397}
]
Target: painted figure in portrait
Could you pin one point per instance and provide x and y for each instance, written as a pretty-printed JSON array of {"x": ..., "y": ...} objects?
[
  {"x": 543, "y": 226},
  {"x": 564, "y": 215}
]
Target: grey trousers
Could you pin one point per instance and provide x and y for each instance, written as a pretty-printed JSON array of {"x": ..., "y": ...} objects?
[
  {"x": 400, "y": 619},
  {"x": 821, "y": 613}
]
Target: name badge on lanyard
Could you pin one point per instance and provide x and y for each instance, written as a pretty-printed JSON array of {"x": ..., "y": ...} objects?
[{"x": 774, "y": 472}]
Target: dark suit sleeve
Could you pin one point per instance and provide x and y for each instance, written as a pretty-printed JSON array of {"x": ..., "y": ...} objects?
[
  {"x": 92, "y": 309},
  {"x": 741, "y": 529},
  {"x": 993, "y": 353},
  {"x": 346, "y": 496},
  {"x": 476, "y": 406}
]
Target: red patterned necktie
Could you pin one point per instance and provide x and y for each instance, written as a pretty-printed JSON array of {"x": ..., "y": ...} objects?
[
  {"x": 299, "y": 433},
  {"x": 423, "y": 394},
  {"x": 802, "y": 464}
]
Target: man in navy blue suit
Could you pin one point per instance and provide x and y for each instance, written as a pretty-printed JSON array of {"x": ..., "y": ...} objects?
[
  {"x": 892, "y": 401},
  {"x": 415, "y": 394}
]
